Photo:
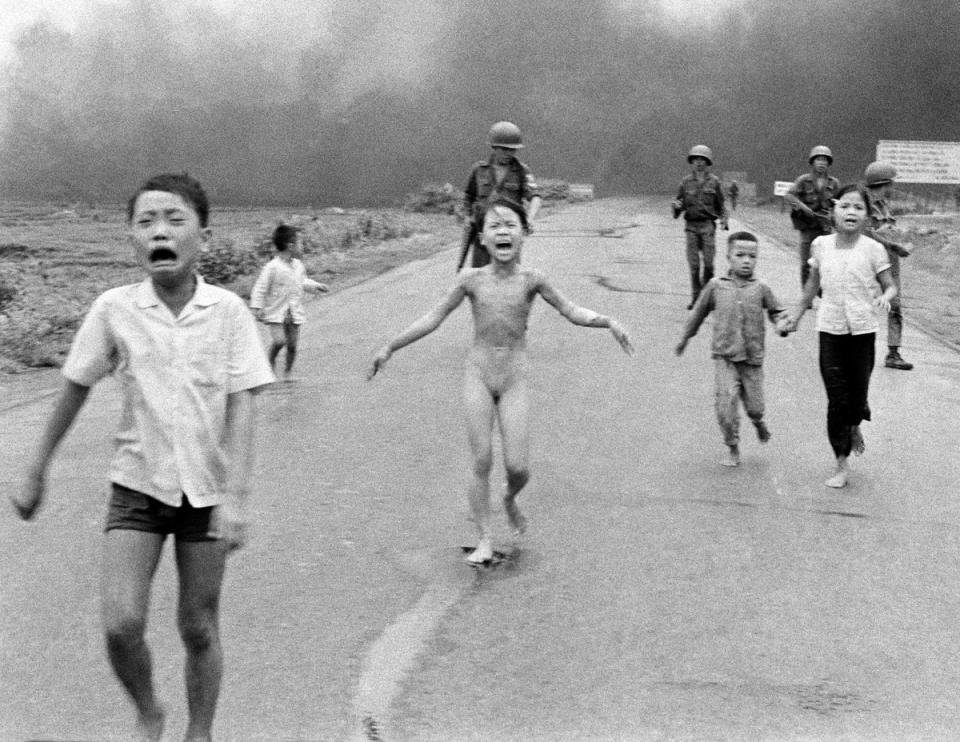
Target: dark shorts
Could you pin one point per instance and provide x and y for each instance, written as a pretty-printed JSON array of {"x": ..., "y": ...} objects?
[{"x": 134, "y": 511}]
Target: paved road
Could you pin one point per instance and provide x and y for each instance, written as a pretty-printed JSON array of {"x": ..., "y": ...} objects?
[{"x": 657, "y": 595}]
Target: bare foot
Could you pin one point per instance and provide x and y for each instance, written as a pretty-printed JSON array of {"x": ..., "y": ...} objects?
[
  {"x": 857, "y": 444},
  {"x": 731, "y": 457},
  {"x": 763, "y": 432},
  {"x": 514, "y": 517},
  {"x": 150, "y": 726},
  {"x": 839, "y": 479},
  {"x": 483, "y": 552}
]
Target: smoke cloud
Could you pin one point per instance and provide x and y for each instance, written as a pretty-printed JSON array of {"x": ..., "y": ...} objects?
[{"x": 361, "y": 101}]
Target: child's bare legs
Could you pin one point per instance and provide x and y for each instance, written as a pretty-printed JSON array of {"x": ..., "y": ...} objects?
[
  {"x": 513, "y": 411},
  {"x": 291, "y": 338},
  {"x": 129, "y": 562},
  {"x": 278, "y": 340},
  {"x": 479, "y": 406},
  {"x": 200, "y": 566}
]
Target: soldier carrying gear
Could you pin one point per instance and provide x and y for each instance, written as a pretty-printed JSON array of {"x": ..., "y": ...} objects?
[
  {"x": 811, "y": 201},
  {"x": 502, "y": 177},
  {"x": 879, "y": 177},
  {"x": 700, "y": 200}
]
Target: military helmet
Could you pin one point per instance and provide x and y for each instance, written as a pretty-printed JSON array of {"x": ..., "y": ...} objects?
[
  {"x": 700, "y": 150},
  {"x": 879, "y": 173},
  {"x": 505, "y": 134},
  {"x": 820, "y": 151}
]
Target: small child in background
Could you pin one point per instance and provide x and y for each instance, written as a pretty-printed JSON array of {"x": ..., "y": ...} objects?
[
  {"x": 739, "y": 300},
  {"x": 277, "y": 296}
]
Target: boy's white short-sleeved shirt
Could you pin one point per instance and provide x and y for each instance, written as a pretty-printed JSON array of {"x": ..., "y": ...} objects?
[
  {"x": 174, "y": 374},
  {"x": 848, "y": 280}
]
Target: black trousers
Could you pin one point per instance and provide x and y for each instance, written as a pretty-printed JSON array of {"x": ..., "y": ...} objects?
[{"x": 846, "y": 362}]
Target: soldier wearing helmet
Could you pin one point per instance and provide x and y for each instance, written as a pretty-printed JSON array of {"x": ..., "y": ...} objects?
[
  {"x": 700, "y": 200},
  {"x": 811, "y": 199},
  {"x": 878, "y": 178},
  {"x": 501, "y": 177}
]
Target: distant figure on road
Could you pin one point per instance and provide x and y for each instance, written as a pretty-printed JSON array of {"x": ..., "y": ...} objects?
[
  {"x": 852, "y": 270},
  {"x": 502, "y": 177},
  {"x": 277, "y": 296},
  {"x": 495, "y": 382},
  {"x": 739, "y": 301},
  {"x": 188, "y": 359},
  {"x": 882, "y": 227},
  {"x": 811, "y": 200},
  {"x": 700, "y": 200},
  {"x": 733, "y": 191}
]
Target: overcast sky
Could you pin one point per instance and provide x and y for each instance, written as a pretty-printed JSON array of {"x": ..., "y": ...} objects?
[{"x": 344, "y": 101}]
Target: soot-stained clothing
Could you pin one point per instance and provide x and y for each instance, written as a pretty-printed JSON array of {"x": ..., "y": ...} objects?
[
  {"x": 517, "y": 186},
  {"x": 738, "y": 306}
]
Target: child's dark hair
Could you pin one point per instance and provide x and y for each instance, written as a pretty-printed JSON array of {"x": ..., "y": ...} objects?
[
  {"x": 509, "y": 204},
  {"x": 189, "y": 189},
  {"x": 858, "y": 187},
  {"x": 284, "y": 236},
  {"x": 742, "y": 237}
]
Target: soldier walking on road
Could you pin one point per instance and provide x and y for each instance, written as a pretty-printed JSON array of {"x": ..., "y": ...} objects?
[
  {"x": 502, "y": 177},
  {"x": 878, "y": 178},
  {"x": 700, "y": 200},
  {"x": 811, "y": 199},
  {"x": 734, "y": 191}
]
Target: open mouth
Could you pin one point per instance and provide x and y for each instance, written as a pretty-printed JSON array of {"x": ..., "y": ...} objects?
[{"x": 163, "y": 255}]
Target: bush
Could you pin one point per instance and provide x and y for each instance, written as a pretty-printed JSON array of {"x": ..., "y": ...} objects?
[
  {"x": 223, "y": 261},
  {"x": 8, "y": 292},
  {"x": 40, "y": 335},
  {"x": 434, "y": 199}
]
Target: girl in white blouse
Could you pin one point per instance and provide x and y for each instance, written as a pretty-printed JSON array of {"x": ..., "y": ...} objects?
[{"x": 853, "y": 272}]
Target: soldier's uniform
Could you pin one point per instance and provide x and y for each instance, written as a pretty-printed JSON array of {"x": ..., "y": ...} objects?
[
  {"x": 701, "y": 204},
  {"x": 819, "y": 198},
  {"x": 517, "y": 187}
]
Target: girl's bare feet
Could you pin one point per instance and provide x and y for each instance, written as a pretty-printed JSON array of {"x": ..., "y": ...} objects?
[
  {"x": 731, "y": 457},
  {"x": 839, "y": 479},
  {"x": 857, "y": 444},
  {"x": 483, "y": 552}
]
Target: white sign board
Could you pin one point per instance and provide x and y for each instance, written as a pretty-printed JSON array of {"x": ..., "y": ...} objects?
[
  {"x": 780, "y": 187},
  {"x": 922, "y": 162}
]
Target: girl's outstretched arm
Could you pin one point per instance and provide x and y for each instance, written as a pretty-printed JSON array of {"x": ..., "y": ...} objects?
[
  {"x": 422, "y": 327},
  {"x": 789, "y": 322},
  {"x": 581, "y": 315}
]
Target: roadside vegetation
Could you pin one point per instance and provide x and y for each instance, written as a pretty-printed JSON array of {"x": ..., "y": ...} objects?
[
  {"x": 931, "y": 292},
  {"x": 54, "y": 260}
]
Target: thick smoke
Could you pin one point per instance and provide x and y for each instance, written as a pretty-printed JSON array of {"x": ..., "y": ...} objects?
[{"x": 360, "y": 102}]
